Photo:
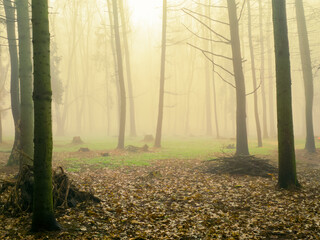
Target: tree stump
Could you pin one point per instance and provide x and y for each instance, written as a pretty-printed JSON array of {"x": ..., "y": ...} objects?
[
  {"x": 148, "y": 138},
  {"x": 77, "y": 140},
  {"x": 84, "y": 150}
]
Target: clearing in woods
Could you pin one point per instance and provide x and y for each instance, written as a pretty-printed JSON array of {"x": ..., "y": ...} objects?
[{"x": 176, "y": 193}]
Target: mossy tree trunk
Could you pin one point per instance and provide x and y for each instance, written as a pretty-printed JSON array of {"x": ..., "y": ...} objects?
[
  {"x": 242, "y": 139},
  {"x": 307, "y": 74},
  {"x": 14, "y": 84},
  {"x": 157, "y": 142},
  {"x": 287, "y": 163},
  {"x": 43, "y": 217},
  {"x": 121, "y": 77},
  {"x": 25, "y": 73}
]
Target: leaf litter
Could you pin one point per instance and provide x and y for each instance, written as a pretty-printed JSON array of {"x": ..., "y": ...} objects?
[{"x": 179, "y": 199}]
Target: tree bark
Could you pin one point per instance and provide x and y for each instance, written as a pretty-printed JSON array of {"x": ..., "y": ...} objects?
[
  {"x": 287, "y": 163},
  {"x": 14, "y": 84},
  {"x": 43, "y": 218},
  {"x": 133, "y": 131},
  {"x": 25, "y": 72},
  {"x": 121, "y": 77},
  {"x": 242, "y": 139},
  {"x": 307, "y": 74},
  {"x": 162, "y": 76},
  {"x": 254, "y": 78}
]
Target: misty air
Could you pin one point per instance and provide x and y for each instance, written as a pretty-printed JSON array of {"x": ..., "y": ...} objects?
[{"x": 159, "y": 119}]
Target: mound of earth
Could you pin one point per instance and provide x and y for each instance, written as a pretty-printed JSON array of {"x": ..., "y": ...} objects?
[{"x": 241, "y": 165}]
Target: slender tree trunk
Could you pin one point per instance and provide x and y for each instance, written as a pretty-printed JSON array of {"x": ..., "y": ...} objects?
[
  {"x": 43, "y": 217},
  {"x": 207, "y": 75},
  {"x": 262, "y": 80},
  {"x": 60, "y": 125},
  {"x": 133, "y": 131},
  {"x": 270, "y": 76},
  {"x": 114, "y": 55},
  {"x": 1, "y": 132},
  {"x": 2, "y": 80},
  {"x": 191, "y": 76},
  {"x": 214, "y": 82},
  {"x": 14, "y": 84},
  {"x": 215, "y": 106},
  {"x": 25, "y": 72},
  {"x": 162, "y": 76},
  {"x": 287, "y": 164},
  {"x": 254, "y": 78},
  {"x": 307, "y": 74},
  {"x": 242, "y": 139},
  {"x": 121, "y": 77}
]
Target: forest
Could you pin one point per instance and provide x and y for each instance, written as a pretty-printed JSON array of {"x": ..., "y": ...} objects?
[{"x": 159, "y": 119}]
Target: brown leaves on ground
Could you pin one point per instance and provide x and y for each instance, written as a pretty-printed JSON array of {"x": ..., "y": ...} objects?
[{"x": 176, "y": 199}]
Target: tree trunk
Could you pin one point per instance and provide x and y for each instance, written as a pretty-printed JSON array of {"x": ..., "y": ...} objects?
[
  {"x": 162, "y": 76},
  {"x": 121, "y": 77},
  {"x": 25, "y": 72},
  {"x": 14, "y": 84},
  {"x": 207, "y": 74},
  {"x": 214, "y": 83},
  {"x": 190, "y": 82},
  {"x": 254, "y": 78},
  {"x": 114, "y": 55},
  {"x": 307, "y": 74},
  {"x": 242, "y": 140},
  {"x": 262, "y": 80},
  {"x": 1, "y": 132},
  {"x": 270, "y": 76},
  {"x": 43, "y": 218},
  {"x": 133, "y": 131},
  {"x": 287, "y": 163}
]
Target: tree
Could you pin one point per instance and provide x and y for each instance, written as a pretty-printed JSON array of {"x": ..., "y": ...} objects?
[
  {"x": 254, "y": 78},
  {"x": 207, "y": 72},
  {"x": 242, "y": 139},
  {"x": 121, "y": 77},
  {"x": 25, "y": 74},
  {"x": 263, "y": 89},
  {"x": 14, "y": 84},
  {"x": 270, "y": 75},
  {"x": 43, "y": 217},
  {"x": 287, "y": 163},
  {"x": 133, "y": 131},
  {"x": 307, "y": 74},
  {"x": 157, "y": 142}
]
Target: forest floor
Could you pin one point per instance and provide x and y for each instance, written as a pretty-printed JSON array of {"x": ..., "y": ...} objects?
[{"x": 177, "y": 198}]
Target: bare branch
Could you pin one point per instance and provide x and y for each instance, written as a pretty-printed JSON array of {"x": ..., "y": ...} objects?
[
  {"x": 254, "y": 90},
  {"x": 208, "y": 39},
  {"x": 207, "y": 17},
  {"x": 212, "y": 6},
  {"x": 209, "y": 28},
  {"x": 211, "y": 53},
  {"x": 224, "y": 79},
  {"x": 244, "y": 1}
]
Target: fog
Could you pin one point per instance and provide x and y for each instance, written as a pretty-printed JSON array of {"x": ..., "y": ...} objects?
[{"x": 84, "y": 76}]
